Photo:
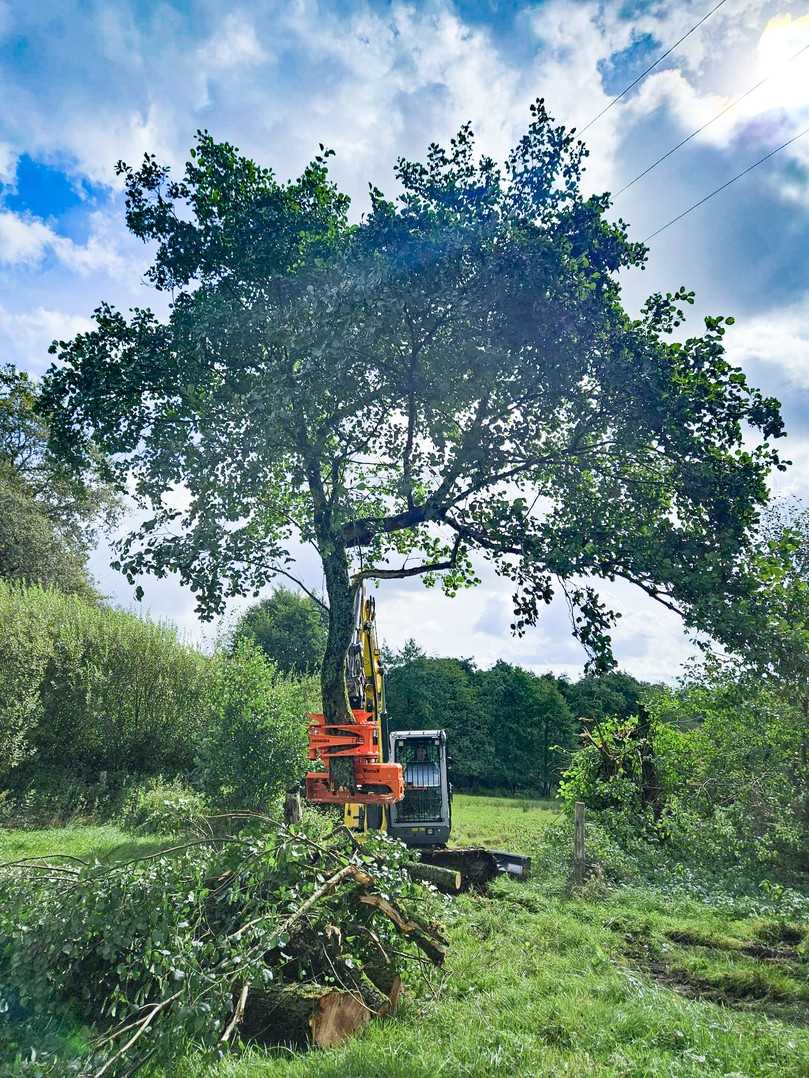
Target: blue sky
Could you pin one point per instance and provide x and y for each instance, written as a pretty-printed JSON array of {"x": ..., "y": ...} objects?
[{"x": 84, "y": 84}]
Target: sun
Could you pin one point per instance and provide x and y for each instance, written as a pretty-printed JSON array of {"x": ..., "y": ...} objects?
[{"x": 787, "y": 75}]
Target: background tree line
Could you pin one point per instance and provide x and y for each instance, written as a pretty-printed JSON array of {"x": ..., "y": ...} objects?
[{"x": 507, "y": 728}]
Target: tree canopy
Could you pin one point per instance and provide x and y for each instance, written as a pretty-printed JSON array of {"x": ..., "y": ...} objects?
[
  {"x": 48, "y": 514},
  {"x": 289, "y": 628},
  {"x": 453, "y": 374}
]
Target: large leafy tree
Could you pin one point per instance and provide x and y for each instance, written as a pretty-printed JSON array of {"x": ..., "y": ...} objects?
[
  {"x": 48, "y": 513},
  {"x": 452, "y": 375}
]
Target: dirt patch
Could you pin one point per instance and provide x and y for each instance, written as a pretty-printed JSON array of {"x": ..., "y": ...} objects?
[
  {"x": 774, "y": 983},
  {"x": 751, "y": 948}
]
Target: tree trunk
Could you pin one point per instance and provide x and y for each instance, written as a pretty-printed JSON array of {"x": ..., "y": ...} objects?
[
  {"x": 336, "y": 706},
  {"x": 303, "y": 1014}
]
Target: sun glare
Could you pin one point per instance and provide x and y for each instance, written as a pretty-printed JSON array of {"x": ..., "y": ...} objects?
[{"x": 783, "y": 36}]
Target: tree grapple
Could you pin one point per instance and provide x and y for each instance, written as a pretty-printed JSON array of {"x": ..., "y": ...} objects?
[{"x": 354, "y": 773}]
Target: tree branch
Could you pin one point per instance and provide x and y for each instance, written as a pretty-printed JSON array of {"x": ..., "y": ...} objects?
[
  {"x": 303, "y": 587},
  {"x": 414, "y": 570}
]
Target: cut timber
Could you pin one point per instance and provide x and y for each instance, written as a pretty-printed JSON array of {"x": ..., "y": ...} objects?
[
  {"x": 445, "y": 879},
  {"x": 427, "y": 937},
  {"x": 303, "y": 1014},
  {"x": 478, "y": 865},
  {"x": 388, "y": 982}
]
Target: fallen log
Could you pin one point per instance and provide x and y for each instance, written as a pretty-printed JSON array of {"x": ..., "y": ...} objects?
[
  {"x": 302, "y": 1015},
  {"x": 386, "y": 980},
  {"x": 445, "y": 879},
  {"x": 426, "y": 937}
]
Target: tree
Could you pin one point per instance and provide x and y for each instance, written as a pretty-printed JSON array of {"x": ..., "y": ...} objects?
[
  {"x": 531, "y": 727},
  {"x": 31, "y": 548},
  {"x": 453, "y": 375},
  {"x": 440, "y": 694},
  {"x": 289, "y": 628},
  {"x": 48, "y": 513},
  {"x": 594, "y": 698}
]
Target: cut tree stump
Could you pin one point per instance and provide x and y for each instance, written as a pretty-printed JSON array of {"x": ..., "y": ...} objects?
[{"x": 303, "y": 1014}]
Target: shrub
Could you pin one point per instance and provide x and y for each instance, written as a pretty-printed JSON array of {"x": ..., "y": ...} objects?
[
  {"x": 254, "y": 744},
  {"x": 163, "y": 807},
  {"x": 86, "y": 689},
  {"x": 25, "y": 651}
]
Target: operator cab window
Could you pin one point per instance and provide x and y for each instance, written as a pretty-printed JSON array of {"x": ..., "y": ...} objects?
[{"x": 419, "y": 760}]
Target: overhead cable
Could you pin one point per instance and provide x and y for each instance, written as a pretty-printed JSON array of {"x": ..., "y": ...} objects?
[
  {"x": 708, "y": 123},
  {"x": 651, "y": 67},
  {"x": 733, "y": 179}
]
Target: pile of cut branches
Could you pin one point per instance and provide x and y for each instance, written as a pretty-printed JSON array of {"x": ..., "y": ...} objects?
[{"x": 279, "y": 934}]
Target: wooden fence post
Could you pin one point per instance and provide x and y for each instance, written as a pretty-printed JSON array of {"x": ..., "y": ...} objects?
[{"x": 579, "y": 862}]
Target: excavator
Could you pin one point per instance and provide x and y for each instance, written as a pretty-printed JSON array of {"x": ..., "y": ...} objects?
[{"x": 392, "y": 781}]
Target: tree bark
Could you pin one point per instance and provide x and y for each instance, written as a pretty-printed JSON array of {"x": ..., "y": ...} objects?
[
  {"x": 336, "y": 706},
  {"x": 303, "y": 1014}
]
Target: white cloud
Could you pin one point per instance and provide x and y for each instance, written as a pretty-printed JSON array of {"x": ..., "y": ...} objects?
[
  {"x": 8, "y": 164},
  {"x": 779, "y": 340},
  {"x": 23, "y": 240},
  {"x": 27, "y": 241},
  {"x": 25, "y": 335},
  {"x": 235, "y": 42}
]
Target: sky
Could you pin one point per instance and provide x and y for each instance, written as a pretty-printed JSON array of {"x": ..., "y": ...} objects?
[{"x": 85, "y": 84}]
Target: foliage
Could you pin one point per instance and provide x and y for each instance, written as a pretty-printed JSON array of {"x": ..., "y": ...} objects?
[
  {"x": 253, "y": 745},
  {"x": 429, "y": 694},
  {"x": 85, "y": 689},
  {"x": 414, "y": 386},
  {"x": 289, "y": 628},
  {"x": 163, "y": 808},
  {"x": 48, "y": 514},
  {"x": 507, "y": 729},
  {"x": 608, "y": 771},
  {"x": 182, "y": 931},
  {"x": 31, "y": 549},
  {"x": 732, "y": 757},
  {"x": 596, "y": 697},
  {"x": 717, "y": 773},
  {"x": 25, "y": 652},
  {"x": 531, "y": 727}
]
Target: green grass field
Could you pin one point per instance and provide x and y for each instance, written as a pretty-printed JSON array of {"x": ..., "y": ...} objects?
[{"x": 628, "y": 982}]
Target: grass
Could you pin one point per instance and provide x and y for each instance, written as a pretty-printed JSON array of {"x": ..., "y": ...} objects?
[
  {"x": 608, "y": 981},
  {"x": 103, "y": 842}
]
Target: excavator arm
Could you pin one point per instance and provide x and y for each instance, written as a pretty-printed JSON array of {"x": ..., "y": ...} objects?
[{"x": 353, "y": 753}]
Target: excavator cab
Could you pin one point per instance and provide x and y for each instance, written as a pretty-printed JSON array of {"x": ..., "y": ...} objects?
[{"x": 423, "y": 816}]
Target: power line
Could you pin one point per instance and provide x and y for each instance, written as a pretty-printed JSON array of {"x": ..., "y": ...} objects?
[
  {"x": 651, "y": 67},
  {"x": 738, "y": 176},
  {"x": 708, "y": 123}
]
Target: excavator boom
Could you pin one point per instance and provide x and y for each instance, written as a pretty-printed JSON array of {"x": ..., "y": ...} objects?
[{"x": 354, "y": 752}]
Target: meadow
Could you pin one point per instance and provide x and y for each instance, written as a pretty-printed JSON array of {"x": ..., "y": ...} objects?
[{"x": 541, "y": 980}]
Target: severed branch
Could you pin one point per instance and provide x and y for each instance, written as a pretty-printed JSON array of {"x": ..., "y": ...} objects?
[
  {"x": 142, "y": 1027},
  {"x": 238, "y": 1014}
]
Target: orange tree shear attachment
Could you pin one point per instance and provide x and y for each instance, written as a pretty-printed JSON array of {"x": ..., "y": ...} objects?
[{"x": 358, "y": 776}]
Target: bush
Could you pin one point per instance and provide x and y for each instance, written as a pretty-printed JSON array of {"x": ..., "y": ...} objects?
[
  {"x": 716, "y": 774},
  {"x": 25, "y": 650},
  {"x": 254, "y": 744},
  {"x": 86, "y": 689},
  {"x": 163, "y": 807}
]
